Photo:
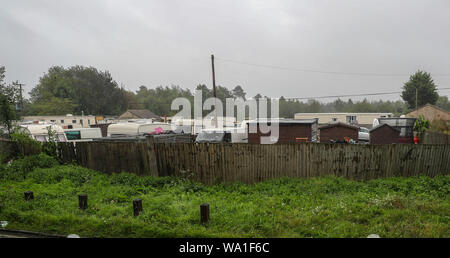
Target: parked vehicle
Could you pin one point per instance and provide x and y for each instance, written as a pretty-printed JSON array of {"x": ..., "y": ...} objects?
[
  {"x": 40, "y": 132},
  {"x": 134, "y": 129},
  {"x": 213, "y": 136},
  {"x": 233, "y": 135},
  {"x": 363, "y": 135},
  {"x": 82, "y": 134}
]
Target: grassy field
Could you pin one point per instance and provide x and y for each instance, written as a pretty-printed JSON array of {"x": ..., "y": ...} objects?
[{"x": 314, "y": 207}]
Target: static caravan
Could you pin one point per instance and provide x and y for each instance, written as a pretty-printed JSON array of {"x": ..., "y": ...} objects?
[
  {"x": 130, "y": 129},
  {"x": 39, "y": 132},
  {"x": 83, "y": 134}
]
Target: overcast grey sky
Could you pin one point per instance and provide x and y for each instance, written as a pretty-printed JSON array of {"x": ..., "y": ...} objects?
[{"x": 169, "y": 42}]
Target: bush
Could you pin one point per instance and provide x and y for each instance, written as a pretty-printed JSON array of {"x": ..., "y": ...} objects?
[
  {"x": 129, "y": 179},
  {"x": 19, "y": 168},
  {"x": 77, "y": 175}
]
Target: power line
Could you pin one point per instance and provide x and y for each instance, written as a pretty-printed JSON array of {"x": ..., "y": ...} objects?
[
  {"x": 333, "y": 96},
  {"x": 317, "y": 71},
  {"x": 355, "y": 95}
]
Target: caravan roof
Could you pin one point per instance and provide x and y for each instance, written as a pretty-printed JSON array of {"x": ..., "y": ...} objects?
[
  {"x": 42, "y": 128},
  {"x": 138, "y": 128}
]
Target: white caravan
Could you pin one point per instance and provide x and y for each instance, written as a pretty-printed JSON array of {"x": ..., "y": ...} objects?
[
  {"x": 134, "y": 129},
  {"x": 39, "y": 132},
  {"x": 82, "y": 134}
]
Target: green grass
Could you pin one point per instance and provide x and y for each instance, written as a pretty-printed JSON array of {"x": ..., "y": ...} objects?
[{"x": 314, "y": 207}]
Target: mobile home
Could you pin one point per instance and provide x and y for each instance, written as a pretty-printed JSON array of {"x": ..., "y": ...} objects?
[
  {"x": 40, "y": 132},
  {"x": 134, "y": 129},
  {"x": 82, "y": 134}
]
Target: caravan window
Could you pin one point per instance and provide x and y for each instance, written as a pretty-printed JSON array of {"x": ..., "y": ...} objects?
[
  {"x": 350, "y": 119},
  {"x": 60, "y": 137},
  {"x": 40, "y": 138}
]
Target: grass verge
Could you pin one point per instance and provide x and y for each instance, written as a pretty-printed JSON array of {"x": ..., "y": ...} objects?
[{"x": 314, "y": 207}]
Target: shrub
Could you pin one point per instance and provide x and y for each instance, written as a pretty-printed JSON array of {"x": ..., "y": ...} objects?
[
  {"x": 19, "y": 168},
  {"x": 127, "y": 179},
  {"x": 130, "y": 179},
  {"x": 77, "y": 175}
]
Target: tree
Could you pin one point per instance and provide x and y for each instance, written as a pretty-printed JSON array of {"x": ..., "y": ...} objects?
[
  {"x": 443, "y": 102},
  {"x": 7, "y": 113},
  {"x": 90, "y": 90},
  {"x": 421, "y": 84},
  {"x": 8, "y": 95},
  {"x": 158, "y": 100},
  {"x": 54, "y": 106},
  {"x": 238, "y": 92},
  {"x": 421, "y": 125},
  {"x": 10, "y": 91}
]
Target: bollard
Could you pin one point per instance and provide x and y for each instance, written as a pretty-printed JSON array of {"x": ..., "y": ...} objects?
[
  {"x": 137, "y": 207},
  {"x": 29, "y": 195},
  {"x": 82, "y": 201},
  {"x": 204, "y": 212}
]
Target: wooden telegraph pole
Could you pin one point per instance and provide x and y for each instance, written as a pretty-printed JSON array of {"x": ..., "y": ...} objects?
[
  {"x": 214, "y": 90},
  {"x": 416, "y": 99},
  {"x": 20, "y": 104}
]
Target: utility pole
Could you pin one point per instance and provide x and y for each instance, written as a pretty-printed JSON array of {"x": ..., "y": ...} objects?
[
  {"x": 214, "y": 90},
  {"x": 20, "y": 95},
  {"x": 416, "y": 98}
]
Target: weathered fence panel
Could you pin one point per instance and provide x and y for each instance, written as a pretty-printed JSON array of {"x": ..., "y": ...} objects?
[
  {"x": 116, "y": 157},
  {"x": 249, "y": 163},
  {"x": 211, "y": 163},
  {"x": 9, "y": 149}
]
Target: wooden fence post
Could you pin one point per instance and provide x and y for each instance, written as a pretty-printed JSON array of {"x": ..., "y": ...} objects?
[
  {"x": 29, "y": 195},
  {"x": 137, "y": 207},
  {"x": 152, "y": 156},
  {"x": 204, "y": 212},
  {"x": 82, "y": 201}
]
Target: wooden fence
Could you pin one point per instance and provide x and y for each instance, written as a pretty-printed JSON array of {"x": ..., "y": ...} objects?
[
  {"x": 249, "y": 163},
  {"x": 111, "y": 157},
  {"x": 9, "y": 149},
  {"x": 211, "y": 163}
]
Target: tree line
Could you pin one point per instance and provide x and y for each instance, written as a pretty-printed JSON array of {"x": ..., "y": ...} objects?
[{"x": 87, "y": 90}]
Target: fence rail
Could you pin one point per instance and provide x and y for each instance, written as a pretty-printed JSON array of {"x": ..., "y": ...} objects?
[{"x": 249, "y": 163}]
